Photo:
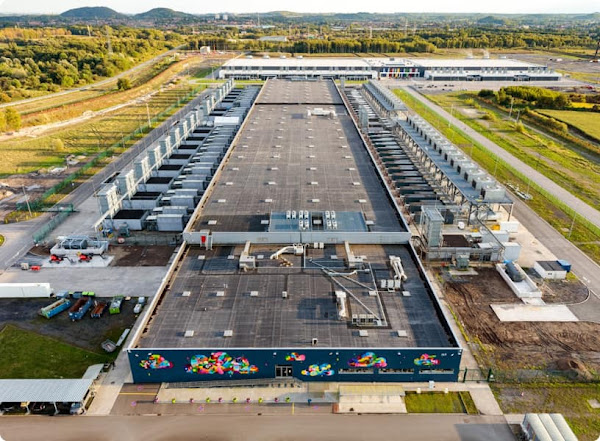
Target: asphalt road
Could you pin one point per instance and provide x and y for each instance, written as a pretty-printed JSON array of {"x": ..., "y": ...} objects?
[
  {"x": 94, "y": 85},
  {"x": 583, "y": 267},
  {"x": 18, "y": 237},
  {"x": 583, "y": 209},
  {"x": 264, "y": 428}
]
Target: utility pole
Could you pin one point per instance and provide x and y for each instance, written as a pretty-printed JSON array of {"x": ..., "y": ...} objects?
[
  {"x": 572, "y": 224},
  {"x": 27, "y": 201}
]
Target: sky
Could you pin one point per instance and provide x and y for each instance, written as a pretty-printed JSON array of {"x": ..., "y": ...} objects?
[{"x": 238, "y": 6}]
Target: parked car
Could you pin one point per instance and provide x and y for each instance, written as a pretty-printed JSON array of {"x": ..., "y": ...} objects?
[
  {"x": 77, "y": 409},
  {"x": 139, "y": 305}
]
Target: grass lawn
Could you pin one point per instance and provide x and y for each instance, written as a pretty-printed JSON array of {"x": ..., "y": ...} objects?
[
  {"x": 438, "y": 402},
  {"x": 24, "y": 155},
  {"x": 560, "y": 162},
  {"x": 31, "y": 355},
  {"x": 588, "y": 122},
  {"x": 584, "y": 235},
  {"x": 570, "y": 400}
]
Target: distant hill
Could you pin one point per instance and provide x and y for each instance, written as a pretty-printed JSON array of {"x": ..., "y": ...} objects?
[
  {"x": 162, "y": 14},
  {"x": 93, "y": 13},
  {"x": 491, "y": 20}
]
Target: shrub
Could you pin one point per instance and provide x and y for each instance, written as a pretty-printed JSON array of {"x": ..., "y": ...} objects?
[{"x": 123, "y": 84}]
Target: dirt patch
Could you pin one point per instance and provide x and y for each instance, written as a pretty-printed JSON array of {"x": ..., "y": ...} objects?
[
  {"x": 134, "y": 255},
  {"x": 560, "y": 291},
  {"x": 125, "y": 255},
  {"x": 509, "y": 346},
  {"x": 86, "y": 333}
]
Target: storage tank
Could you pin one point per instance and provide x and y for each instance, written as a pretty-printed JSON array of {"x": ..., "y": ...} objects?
[
  {"x": 562, "y": 425},
  {"x": 550, "y": 427},
  {"x": 534, "y": 428},
  {"x": 512, "y": 271}
]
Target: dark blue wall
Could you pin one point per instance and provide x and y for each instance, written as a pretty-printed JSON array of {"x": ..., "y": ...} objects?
[{"x": 178, "y": 365}]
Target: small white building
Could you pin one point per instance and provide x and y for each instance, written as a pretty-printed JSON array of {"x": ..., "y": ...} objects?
[
  {"x": 205, "y": 50},
  {"x": 550, "y": 269}
]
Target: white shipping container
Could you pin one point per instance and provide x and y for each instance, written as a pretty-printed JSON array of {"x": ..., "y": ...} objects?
[
  {"x": 510, "y": 227},
  {"x": 30, "y": 290}
]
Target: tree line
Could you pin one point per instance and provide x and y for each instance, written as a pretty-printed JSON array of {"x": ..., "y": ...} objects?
[
  {"x": 392, "y": 41},
  {"x": 51, "y": 59}
]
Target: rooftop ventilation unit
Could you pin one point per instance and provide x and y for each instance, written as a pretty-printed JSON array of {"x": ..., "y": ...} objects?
[
  {"x": 228, "y": 333},
  {"x": 189, "y": 333}
]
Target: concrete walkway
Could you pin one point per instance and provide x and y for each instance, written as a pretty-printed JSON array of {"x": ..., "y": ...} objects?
[
  {"x": 111, "y": 385},
  {"x": 583, "y": 209}
]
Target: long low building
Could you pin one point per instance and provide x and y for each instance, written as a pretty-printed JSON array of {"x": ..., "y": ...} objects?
[
  {"x": 297, "y": 263},
  {"x": 469, "y": 69}
]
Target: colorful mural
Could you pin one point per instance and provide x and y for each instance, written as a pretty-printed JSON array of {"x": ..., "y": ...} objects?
[
  {"x": 319, "y": 370},
  {"x": 427, "y": 360},
  {"x": 156, "y": 361},
  {"x": 367, "y": 360},
  {"x": 219, "y": 363},
  {"x": 294, "y": 356}
]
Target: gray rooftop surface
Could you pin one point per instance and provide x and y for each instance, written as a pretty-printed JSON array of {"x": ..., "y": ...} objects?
[
  {"x": 47, "y": 391},
  {"x": 285, "y": 160},
  {"x": 269, "y": 320}
]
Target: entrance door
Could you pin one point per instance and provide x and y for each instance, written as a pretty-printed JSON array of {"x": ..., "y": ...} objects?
[{"x": 283, "y": 370}]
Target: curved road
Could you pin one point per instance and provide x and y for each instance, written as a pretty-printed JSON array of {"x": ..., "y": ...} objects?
[
  {"x": 93, "y": 85},
  {"x": 584, "y": 210}
]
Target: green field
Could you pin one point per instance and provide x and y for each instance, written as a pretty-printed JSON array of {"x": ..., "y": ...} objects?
[
  {"x": 587, "y": 122},
  {"x": 24, "y": 155},
  {"x": 558, "y": 160},
  {"x": 570, "y": 400},
  {"x": 31, "y": 355},
  {"x": 438, "y": 402}
]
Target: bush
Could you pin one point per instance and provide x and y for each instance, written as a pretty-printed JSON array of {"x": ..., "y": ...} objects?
[
  {"x": 57, "y": 145},
  {"x": 13, "y": 119},
  {"x": 123, "y": 84},
  {"x": 486, "y": 93},
  {"x": 490, "y": 116}
]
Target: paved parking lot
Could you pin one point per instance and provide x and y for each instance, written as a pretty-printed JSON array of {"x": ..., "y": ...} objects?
[{"x": 105, "y": 282}]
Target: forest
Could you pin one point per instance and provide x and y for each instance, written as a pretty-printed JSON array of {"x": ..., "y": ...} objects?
[
  {"x": 49, "y": 59},
  {"x": 394, "y": 40}
]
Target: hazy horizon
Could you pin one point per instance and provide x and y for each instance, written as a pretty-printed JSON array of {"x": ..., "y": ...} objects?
[{"x": 308, "y": 6}]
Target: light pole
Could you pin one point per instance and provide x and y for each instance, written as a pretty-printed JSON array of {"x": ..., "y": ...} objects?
[
  {"x": 148, "y": 115},
  {"x": 27, "y": 201}
]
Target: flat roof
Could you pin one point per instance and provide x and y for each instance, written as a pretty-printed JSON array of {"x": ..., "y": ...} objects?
[
  {"x": 285, "y": 160},
  {"x": 472, "y": 62},
  {"x": 550, "y": 265},
  {"x": 47, "y": 391},
  {"x": 299, "y": 62},
  {"x": 379, "y": 62},
  {"x": 296, "y": 162},
  {"x": 211, "y": 295}
]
